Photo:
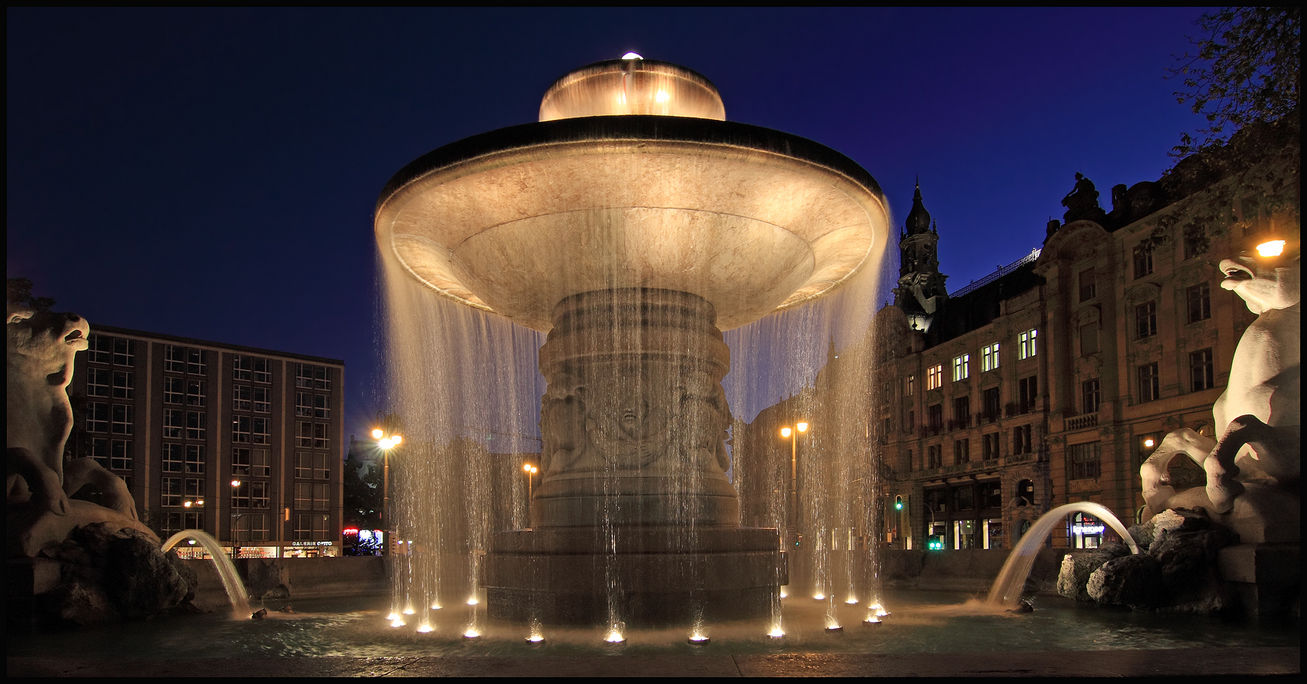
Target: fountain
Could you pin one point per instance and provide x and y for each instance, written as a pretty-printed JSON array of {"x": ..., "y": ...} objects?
[
  {"x": 231, "y": 580},
  {"x": 632, "y": 224},
  {"x": 1007, "y": 587}
]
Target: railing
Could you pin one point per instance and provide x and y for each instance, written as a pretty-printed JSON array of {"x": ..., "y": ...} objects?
[
  {"x": 1081, "y": 422},
  {"x": 1002, "y": 271}
]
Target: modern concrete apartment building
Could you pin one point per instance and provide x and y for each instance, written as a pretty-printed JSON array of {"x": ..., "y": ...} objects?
[{"x": 245, "y": 444}]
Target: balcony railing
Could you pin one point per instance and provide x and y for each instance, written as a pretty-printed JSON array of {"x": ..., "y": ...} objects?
[{"x": 1082, "y": 422}]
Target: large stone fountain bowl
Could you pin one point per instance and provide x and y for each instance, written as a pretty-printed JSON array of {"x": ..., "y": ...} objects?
[{"x": 515, "y": 220}]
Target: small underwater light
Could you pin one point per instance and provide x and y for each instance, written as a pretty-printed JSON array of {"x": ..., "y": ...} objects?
[
  {"x": 698, "y": 639},
  {"x": 615, "y": 637},
  {"x": 435, "y": 606},
  {"x": 872, "y": 619},
  {"x": 471, "y": 633},
  {"x": 408, "y": 610},
  {"x": 397, "y": 622},
  {"x": 472, "y": 601},
  {"x": 851, "y": 601},
  {"x": 776, "y": 633},
  {"x": 834, "y": 628},
  {"x": 535, "y": 639},
  {"x": 819, "y": 596},
  {"x": 784, "y": 594},
  {"x": 425, "y": 627}
]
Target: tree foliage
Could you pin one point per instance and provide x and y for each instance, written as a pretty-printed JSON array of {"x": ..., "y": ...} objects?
[
  {"x": 19, "y": 291},
  {"x": 1246, "y": 69}
]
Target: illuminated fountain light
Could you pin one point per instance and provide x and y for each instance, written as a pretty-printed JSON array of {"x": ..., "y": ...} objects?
[
  {"x": 632, "y": 55},
  {"x": 435, "y": 605},
  {"x": 408, "y": 610},
  {"x": 615, "y": 636},
  {"x": 472, "y": 633},
  {"x": 397, "y": 621},
  {"x": 819, "y": 596},
  {"x": 851, "y": 600},
  {"x": 698, "y": 638},
  {"x": 776, "y": 632},
  {"x": 784, "y": 593},
  {"x": 425, "y": 627},
  {"x": 877, "y": 609},
  {"x": 871, "y": 619},
  {"x": 832, "y": 625},
  {"x": 535, "y": 638},
  {"x": 472, "y": 600}
]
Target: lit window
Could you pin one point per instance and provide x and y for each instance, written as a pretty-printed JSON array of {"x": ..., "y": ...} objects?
[
  {"x": 909, "y": 385},
  {"x": 989, "y": 357},
  {"x": 1026, "y": 347},
  {"x": 961, "y": 367},
  {"x": 935, "y": 377}
]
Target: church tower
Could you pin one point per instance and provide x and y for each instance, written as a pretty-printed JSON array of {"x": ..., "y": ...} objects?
[{"x": 921, "y": 286}]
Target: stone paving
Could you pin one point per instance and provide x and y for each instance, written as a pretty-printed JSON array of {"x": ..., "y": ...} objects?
[{"x": 1274, "y": 662}]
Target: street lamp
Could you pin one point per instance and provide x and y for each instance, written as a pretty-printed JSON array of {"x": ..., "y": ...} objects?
[
  {"x": 386, "y": 442},
  {"x": 530, "y": 471},
  {"x": 793, "y": 436},
  {"x": 235, "y": 531}
]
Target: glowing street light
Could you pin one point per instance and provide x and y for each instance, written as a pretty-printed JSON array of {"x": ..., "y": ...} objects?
[
  {"x": 530, "y": 471},
  {"x": 386, "y": 442},
  {"x": 793, "y": 435},
  {"x": 1271, "y": 248},
  {"x": 235, "y": 518}
]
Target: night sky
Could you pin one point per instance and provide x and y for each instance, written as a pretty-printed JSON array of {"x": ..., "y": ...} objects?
[{"x": 212, "y": 173}]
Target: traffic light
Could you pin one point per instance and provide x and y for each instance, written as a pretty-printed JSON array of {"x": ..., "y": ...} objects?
[
  {"x": 898, "y": 502},
  {"x": 935, "y": 543}
]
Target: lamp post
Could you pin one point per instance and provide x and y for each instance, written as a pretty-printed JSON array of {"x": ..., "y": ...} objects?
[
  {"x": 530, "y": 471},
  {"x": 386, "y": 442},
  {"x": 792, "y": 434},
  {"x": 235, "y": 517}
]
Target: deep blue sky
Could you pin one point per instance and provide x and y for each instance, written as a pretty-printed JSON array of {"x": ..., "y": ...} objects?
[{"x": 212, "y": 173}]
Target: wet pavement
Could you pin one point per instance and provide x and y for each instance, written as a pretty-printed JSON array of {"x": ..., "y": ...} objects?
[{"x": 1281, "y": 662}]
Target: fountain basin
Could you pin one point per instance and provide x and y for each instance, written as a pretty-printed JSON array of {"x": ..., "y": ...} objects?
[{"x": 516, "y": 220}]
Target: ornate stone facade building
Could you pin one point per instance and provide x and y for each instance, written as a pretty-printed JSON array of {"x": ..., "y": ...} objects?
[{"x": 1049, "y": 381}]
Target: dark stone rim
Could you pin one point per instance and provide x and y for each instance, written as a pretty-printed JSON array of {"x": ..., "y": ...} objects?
[{"x": 629, "y": 127}]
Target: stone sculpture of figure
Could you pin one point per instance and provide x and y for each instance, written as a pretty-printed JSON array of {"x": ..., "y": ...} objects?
[
  {"x": 39, "y": 483},
  {"x": 1082, "y": 201},
  {"x": 1258, "y": 417}
]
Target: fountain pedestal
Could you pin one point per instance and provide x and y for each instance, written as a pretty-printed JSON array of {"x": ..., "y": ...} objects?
[{"x": 634, "y": 507}]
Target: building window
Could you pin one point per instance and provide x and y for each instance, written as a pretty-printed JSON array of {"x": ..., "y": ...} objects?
[
  {"x": 989, "y": 446},
  {"x": 99, "y": 349},
  {"x": 1083, "y": 461},
  {"x": 1194, "y": 243},
  {"x": 909, "y": 419},
  {"x": 261, "y": 402},
  {"x": 935, "y": 417},
  {"x": 1089, "y": 339},
  {"x": 935, "y": 377},
  {"x": 196, "y": 427},
  {"x": 120, "y": 454},
  {"x": 1198, "y": 300},
  {"x": 249, "y": 368},
  {"x": 240, "y": 429},
  {"x": 170, "y": 491},
  {"x": 909, "y": 385},
  {"x": 991, "y": 409},
  {"x": 308, "y": 376},
  {"x": 120, "y": 416},
  {"x": 260, "y": 466},
  {"x": 240, "y": 461},
  {"x": 174, "y": 358},
  {"x": 97, "y": 417},
  {"x": 1087, "y": 290},
  {"x": 1089, "y": 396},
  {"x": 303, "y": 404},
  {"x": 1027, "y": 394},
  {"x": 173, "y": 457},
  {"x": 1149, "y": 389},
  {"x": 962, "y": 412},
  {"x": 989, "y": 357},
  {"x": 934, "y": 457},
  {"x": 123, "y": 352},
  {"x": 259, "y": 494},
  {"x": 961, "y": 451},
  {"x": 195, "y": 459},
  {"x": 124, "y": 385},
  {"x": 1145, "y": 320},
  {"x": 240, "y": 397},
  {"x": 174, "y": 390},
  {"x": 1143, "y": 258},
  {"x": 174, "y": 422},
  {"x": 97, "y": 382},
  {"x": 260, "y": 432},
  {"x": 195, "y": 364},
  {"x": 1026, "y": 346},
  {"x": 262, "y": 371},
  {"x": 1201, "y": 370},
  {"x": 304, "y": 433},
  {"x": 961, "y": 367},
  {"x": 195, "y": 393},
  {"x": 1021, "y": 440}
]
